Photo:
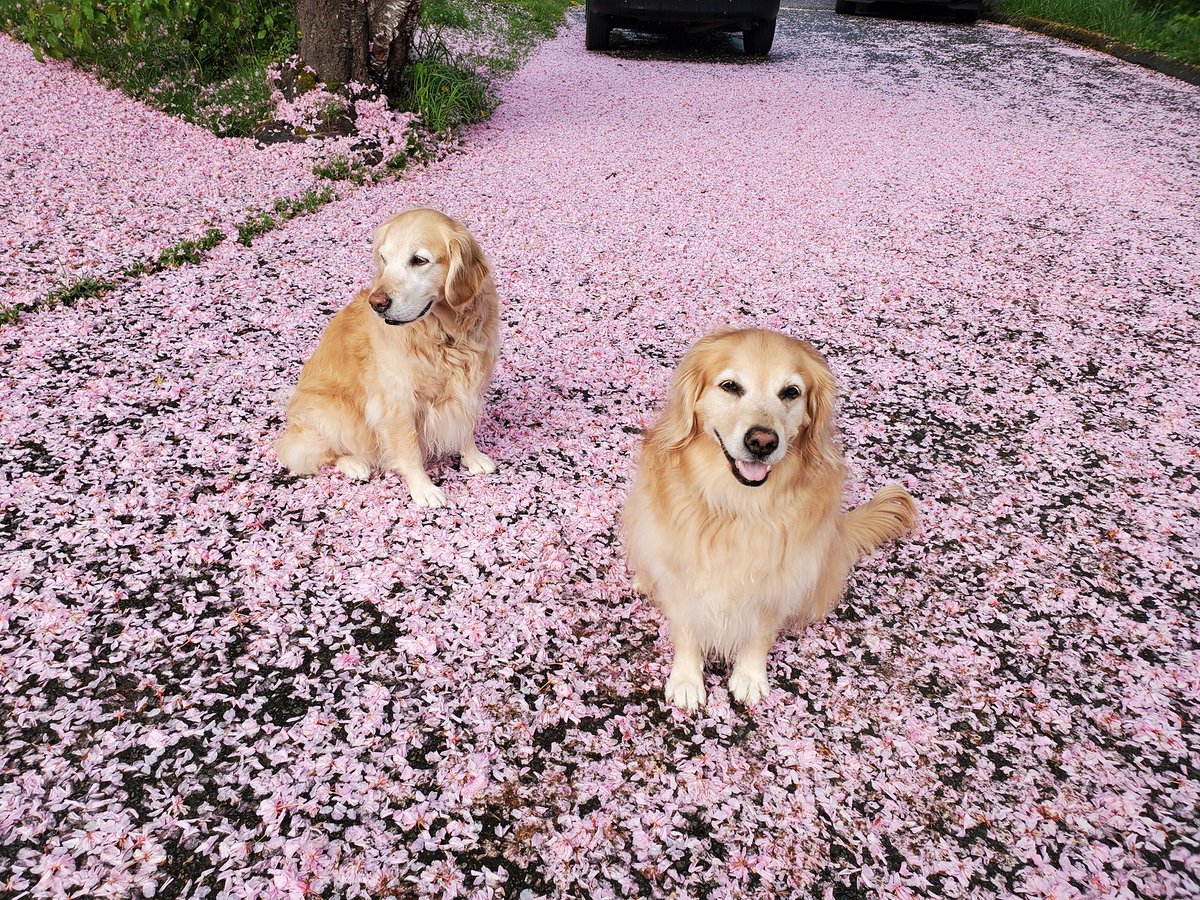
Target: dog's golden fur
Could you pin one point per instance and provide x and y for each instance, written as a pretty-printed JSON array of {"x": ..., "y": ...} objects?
[
  {"x": 731, "y": 559},
  {"x": 400, "y": 373}
]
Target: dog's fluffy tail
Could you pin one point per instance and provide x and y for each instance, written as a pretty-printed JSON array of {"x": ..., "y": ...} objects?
[{"x": 885, "y": 517}]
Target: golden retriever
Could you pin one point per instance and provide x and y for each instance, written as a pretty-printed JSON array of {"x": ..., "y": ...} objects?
[
  {"x": 400, "y": 373},
  {"x": 734, "y": 523}
]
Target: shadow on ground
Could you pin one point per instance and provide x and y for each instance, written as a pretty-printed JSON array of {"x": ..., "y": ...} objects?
[{"x": 682, "y": 46}]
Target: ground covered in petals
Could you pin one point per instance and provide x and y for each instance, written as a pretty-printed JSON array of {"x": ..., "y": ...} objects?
[
  {"x": 220, "y": 680},
  {"x": 94, "y": 182}
]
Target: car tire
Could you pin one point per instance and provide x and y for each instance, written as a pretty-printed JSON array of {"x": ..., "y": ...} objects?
[
  {"x": 597, "y": 32},
  {"x": 966, "y": 16},
  {"x": 757, "y": 39},
  {"x": 845, "y": 7}
]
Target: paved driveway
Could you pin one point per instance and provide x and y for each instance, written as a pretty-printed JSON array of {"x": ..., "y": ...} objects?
[{"x": 218, "y": 680}]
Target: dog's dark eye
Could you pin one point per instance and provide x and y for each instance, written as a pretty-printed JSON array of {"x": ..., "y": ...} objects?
[
  {"x": 418, "y": 261},
  {"x": 731, "y": 387},
  {"x": 791, "y": 392}
]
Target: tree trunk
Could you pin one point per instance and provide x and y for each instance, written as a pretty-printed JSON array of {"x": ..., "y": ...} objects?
[{"x": 357, "y": 40}]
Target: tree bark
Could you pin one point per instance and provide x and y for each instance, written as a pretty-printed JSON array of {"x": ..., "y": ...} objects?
[{"x": 357, "y": 40}]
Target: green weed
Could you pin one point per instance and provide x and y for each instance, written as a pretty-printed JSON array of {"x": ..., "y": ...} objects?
[
  {"x": 446, "y": 94},
  {"x": 67, "y": 295},
  {"x": 256, "y": 224},
  {"x": 259, "y": 222},
  {"x": 339, "y": 168},
  {"x": 308, "y": 203},
  {"x": 187, "y": 252}
]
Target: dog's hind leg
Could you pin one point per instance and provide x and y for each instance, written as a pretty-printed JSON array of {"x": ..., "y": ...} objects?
[
  {"x": 326, "y": 430},
  {"x": 354, "y": 467},
  {"x": 475, "y": 460},
  {"x": 302, "y": 451}
]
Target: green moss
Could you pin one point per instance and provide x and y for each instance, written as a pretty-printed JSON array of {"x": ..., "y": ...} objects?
[{"x": 305, "y": 82}]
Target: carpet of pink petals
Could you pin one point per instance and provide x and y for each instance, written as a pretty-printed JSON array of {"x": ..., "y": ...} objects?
[
  {"x": 92, "y": 181},
  {"x": 220, "y": 680}
]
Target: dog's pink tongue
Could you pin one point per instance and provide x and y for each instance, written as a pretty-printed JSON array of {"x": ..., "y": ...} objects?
[{"x": 753, "y": 471}]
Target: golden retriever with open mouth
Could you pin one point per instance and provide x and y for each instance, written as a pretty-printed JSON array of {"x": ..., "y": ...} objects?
[
  {"x": 400, "y": 373},
  {"x": 734, "y": 523}
]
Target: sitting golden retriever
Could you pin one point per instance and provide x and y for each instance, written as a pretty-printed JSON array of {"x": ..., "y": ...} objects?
[
  {"x": 400, "y": 373},
  {"x": 734, "y": 523}
]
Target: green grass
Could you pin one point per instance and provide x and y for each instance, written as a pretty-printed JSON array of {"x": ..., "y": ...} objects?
[
  {"x": 1181, "y": 37},
  {"x": 444, "y": 92},
  {"x": 204, "y": 63},
  {"x": 515, "y": 25},
  {"x": 162, "y": 72},
  {"x": 542, "y": 16},
  {"x": 445, "y": 13},
  {"x": 1171, "y": 28},
  {"x": 449, "y": 92}
]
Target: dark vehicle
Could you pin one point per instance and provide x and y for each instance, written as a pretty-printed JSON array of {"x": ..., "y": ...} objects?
[
  {"x": 963, "y": 10},
  {"x": 755, "y": 19}
]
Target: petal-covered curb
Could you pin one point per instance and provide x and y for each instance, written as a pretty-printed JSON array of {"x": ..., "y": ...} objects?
[
  {"x": 1158, "y": 62},
  {"x": 218, "y": 680}
]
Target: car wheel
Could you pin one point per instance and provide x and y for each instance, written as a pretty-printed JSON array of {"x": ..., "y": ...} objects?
[
  {"x": 757, "y": 40},
  {"x": 598, "y": 29},
  {"x": 845, "y": 7}
]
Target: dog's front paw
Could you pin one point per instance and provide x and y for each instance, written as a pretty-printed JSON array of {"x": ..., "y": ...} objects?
[
  {"x": 478, "y": 463},
  {"x": 749, "y": 687},
  {"x": 686, "y": 693},
  {"x": 427, "y": 495},
  {"x": 353, "y": 467}
]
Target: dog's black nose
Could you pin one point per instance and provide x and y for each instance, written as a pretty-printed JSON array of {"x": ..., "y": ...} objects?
[
  {"x": 761, "y": 441},
  {"x": 380, "y": 302}
]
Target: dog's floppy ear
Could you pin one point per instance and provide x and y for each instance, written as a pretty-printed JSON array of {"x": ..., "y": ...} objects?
[
  {"x": 679, "y": 423},
  {"x": 467, "y": 268},
  {"x": 377, "y": 242},
  {"x": 816, "y": 440}
]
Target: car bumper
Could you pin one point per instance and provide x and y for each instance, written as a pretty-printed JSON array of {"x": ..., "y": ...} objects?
[
  {"x": 964, "y": 5},
  {"x": 687, "y": 10}
]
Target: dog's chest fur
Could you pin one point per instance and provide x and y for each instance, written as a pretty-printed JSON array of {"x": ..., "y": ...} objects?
[
  {"x": 751, "y": 558},
  {"x": 434, "y": 376},
  {"x": 725, "y": 559},
  {"x": 428, "y": 366}
]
